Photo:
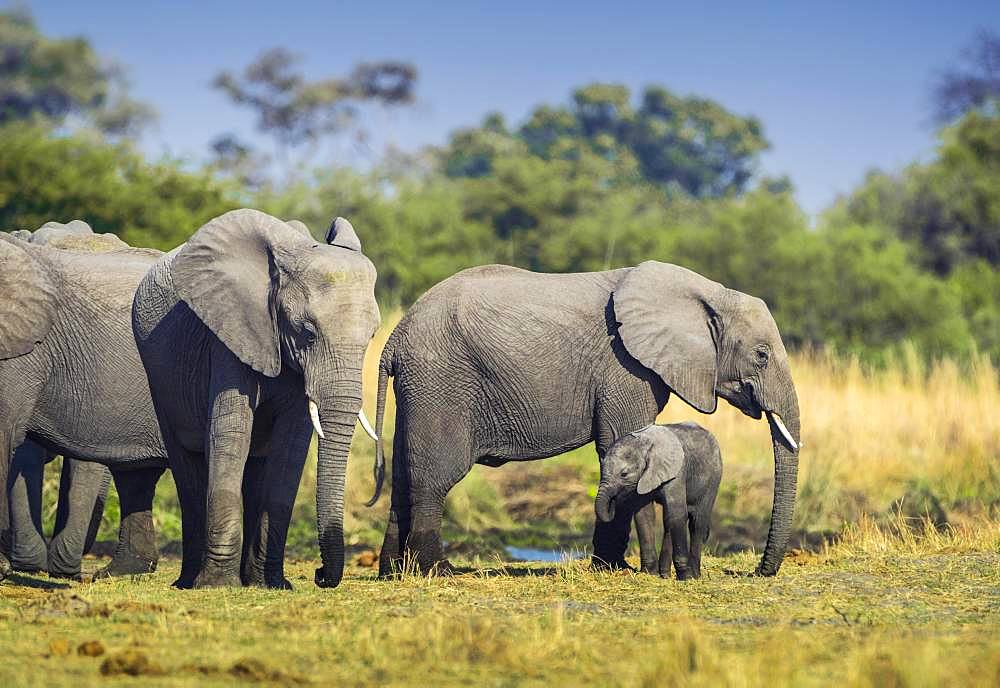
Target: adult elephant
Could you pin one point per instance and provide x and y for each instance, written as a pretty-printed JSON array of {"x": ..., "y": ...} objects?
[
  {"x": 83, "y": 486},
  {"x": 498, "y": 364},
  {"x": 252, "y": 335},
  {"x": 71, "y": 380}
]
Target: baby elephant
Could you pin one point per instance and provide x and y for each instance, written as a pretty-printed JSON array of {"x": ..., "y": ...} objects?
[{"x": 680, "y": 467}]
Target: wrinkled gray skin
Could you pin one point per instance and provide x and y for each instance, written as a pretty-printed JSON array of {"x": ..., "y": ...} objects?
[
  {"x": 238, "y": 330},
  {"x": 498, "y": 364},
  {"x": 71, "y": 382},
  {"x": 677, "y": 466},
  {"x": 83, "y": 486}
]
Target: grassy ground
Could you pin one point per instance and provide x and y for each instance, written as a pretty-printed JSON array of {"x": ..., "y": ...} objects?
[
  {"x": 877, "y": 609},
  {"x": 881, "y": 606}
]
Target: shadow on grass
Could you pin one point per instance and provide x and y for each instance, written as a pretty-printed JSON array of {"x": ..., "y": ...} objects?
[{"x": 27, "y": 581}]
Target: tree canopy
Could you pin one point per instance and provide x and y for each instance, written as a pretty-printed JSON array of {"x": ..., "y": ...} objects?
[{"x": 54, "y": 81}]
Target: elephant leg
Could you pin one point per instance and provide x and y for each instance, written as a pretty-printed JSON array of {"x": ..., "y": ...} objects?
[
  {"x": 283, "y": 472},
  {"x": 228, "y": 447},
  {"x": 676, "y": 522},
  {"x": 429, "y": 488},
  {"x": 82, "y": 486},
  {"x": 645, "y": 528},
  {"x": 254, "y": 523},
  {"x": 698, "y": 526},
  {"x": 136, "y": 552},
  {"x": 390, "y": 561},
  {"x": 667, "y": 546},
  {"x": 27, "y": 544},
  {"x": 190, "y": 477}
]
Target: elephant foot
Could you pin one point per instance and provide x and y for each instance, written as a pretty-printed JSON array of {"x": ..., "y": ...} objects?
[
  {"x": 278, "y": 583},
  {"x": 126, "y": 565},
  {"x": 32, "y": 561},
  {"x": 325, "y": 581},
  {"x": 442, "y": 569},
  {"x": 5, "y": 568},
  {"x": 183, "y": 583},
  {"x": 653, "y": 569},
  {"x": 599, "y": 564},
  {"x": 217, "y": 578}
]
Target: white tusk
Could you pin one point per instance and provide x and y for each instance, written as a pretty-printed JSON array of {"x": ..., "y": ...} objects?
[
  {"x": 784, "y": 431},
  {"x": 366, "y": 425},
  {"x": 314, "y": 416}
]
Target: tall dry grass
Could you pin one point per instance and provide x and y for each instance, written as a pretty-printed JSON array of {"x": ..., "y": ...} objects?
[{"x": 872, "y": 437}]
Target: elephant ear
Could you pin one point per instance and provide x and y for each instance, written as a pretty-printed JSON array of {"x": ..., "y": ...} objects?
[
  {"x": 664, "y": 460},
  {"x": 342, "y": 234},
  {"x": 665, "y": 322},
  {"x": 27, "y": 307},
  {"x": 228, "y": 274}
]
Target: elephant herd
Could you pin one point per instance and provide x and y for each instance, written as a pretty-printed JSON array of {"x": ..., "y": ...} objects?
[{"x": 221, "y": 358}]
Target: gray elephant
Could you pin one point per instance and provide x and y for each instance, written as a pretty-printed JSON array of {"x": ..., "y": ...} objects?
[
  {"x": 499, "y": 364},
  {"x": 71, "y": 380},
  {"x": 83, "y": 486},
  {"x": 677, "y": 466},
  {"x": 252, "y": 335}
]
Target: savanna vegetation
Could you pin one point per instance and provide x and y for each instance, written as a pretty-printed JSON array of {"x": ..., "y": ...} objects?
[{"x": 890, "y": 300}]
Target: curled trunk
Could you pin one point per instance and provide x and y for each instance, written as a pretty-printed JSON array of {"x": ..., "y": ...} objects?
[{"x": 604, "y": 505}]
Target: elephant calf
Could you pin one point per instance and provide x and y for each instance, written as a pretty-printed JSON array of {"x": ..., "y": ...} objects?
[{"x": 679, "y": 466}]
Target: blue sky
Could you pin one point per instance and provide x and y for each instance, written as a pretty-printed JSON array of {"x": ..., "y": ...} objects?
[{"x": 840, "y": 88}]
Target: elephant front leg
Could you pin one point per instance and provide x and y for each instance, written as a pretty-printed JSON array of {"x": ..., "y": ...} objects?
[
  {"x": 645, "y": 528},
  {"x": 28, "y": 551},
  {"x": 282, "y": 475},
  {"x": 228, "y": 446},
  {"x": 136, "y": 552},
  {"x": 83, "y": 487}
]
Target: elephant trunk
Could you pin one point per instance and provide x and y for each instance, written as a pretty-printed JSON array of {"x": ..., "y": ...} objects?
[
  {"x": 604, "y": 505},
  {"x": 338, "y": 412},
  {"x": 783, "y": 421}
]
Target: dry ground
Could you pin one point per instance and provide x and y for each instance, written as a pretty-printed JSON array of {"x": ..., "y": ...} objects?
[{"x": 876, "y": 609}]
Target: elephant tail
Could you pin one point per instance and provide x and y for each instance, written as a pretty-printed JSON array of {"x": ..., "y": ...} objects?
[{"x": 384, "y": 371}]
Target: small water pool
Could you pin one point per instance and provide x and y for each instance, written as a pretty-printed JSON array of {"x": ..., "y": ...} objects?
[{"x": 546, "y": 555}]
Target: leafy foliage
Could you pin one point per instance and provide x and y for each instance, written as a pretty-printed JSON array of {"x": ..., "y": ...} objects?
[
  {"x": 975, "y": 85},
  {"x": 54, "y": 80},
  {"x": 43, "y": 177},
  {"x": 296, "y": 111}
]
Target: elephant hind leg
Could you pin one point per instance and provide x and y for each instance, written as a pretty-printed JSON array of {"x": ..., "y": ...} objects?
[
  {"x": 24, "y": 489},
  {"x": 136, "y": 552},
  {"x": 254, "y": 523},
  {"x": 437, "y": 459},
  {"x": 82, "y": 487},
  {"x": 398, "y": 526}
]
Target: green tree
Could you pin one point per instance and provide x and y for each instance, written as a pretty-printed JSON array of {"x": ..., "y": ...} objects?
[
  {"x": 296, "y": 112},
  {"x": 43, "y": 177},
  {"x": 689, "y": 144},
  {"x": 62, "y": 81}
]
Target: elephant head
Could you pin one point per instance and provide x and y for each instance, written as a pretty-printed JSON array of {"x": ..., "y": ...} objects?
[
  {"x": 706, "y": 341},
  {"x": 278, "y": 299},
  {"x": 638, "y": 463}
]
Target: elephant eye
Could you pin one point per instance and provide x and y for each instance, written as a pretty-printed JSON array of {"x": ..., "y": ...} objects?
[
  {"x": 308, "y": 332},
  {"x": 624, "y": 473},
  {"x": 761, "y": 354}
]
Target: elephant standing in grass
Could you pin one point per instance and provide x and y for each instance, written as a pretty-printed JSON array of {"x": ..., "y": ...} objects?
[
  {"x": 252, "y": 335},
  {"x": 498, "y": 364},
  {"x": 677, "y": 466},
  {"x": 71, "y": 380}
]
